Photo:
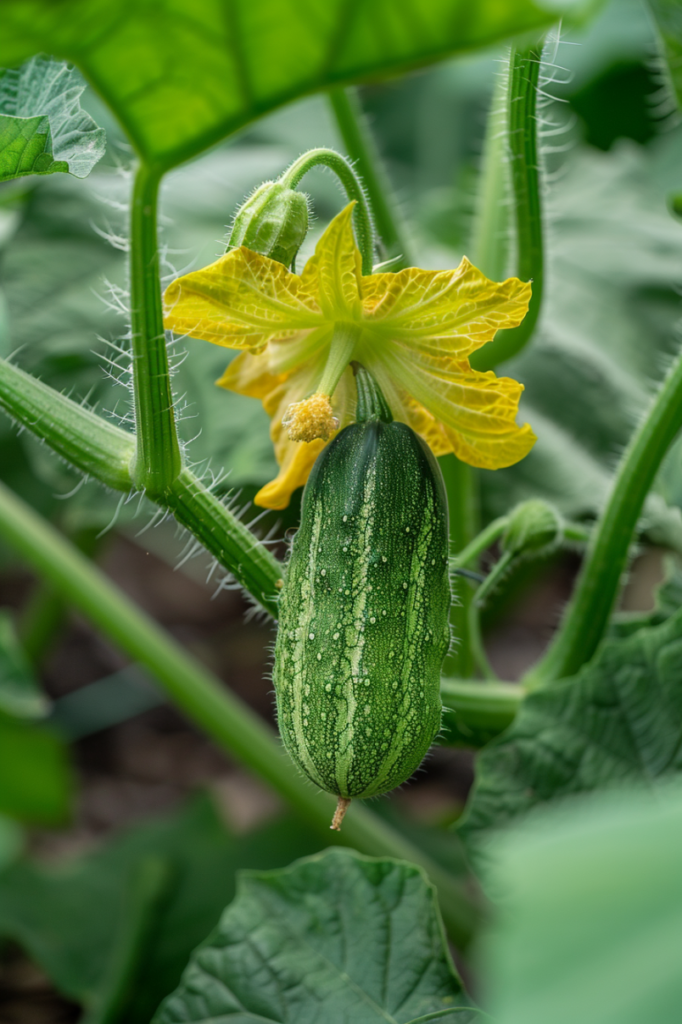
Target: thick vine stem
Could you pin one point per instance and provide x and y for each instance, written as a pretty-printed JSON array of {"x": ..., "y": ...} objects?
[
  {"x": 231, "y": 543},
  {"x": 490, "y": 240},
  {"x": 475, "y": 712},
  {"x": 460, "y": 484},
  {"x": 526, "y": 188},
  {"x": 362, "y": 149},
  {"x": 157, "y": 459},
  {"x": 353, "y": 187},
  {"x": 205, "y": 701},
  {"x": 104, "y": 452},
  {"x": 593, "y": 600},
  {"x": 96, "y": 447}
]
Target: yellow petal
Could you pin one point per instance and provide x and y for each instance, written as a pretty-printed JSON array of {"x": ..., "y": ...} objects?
[
  {"x": 298, "y": 460},
  {"x": 475, "y": 411},
  {"x": 249, "y": 375},
  {"x": 442, "y": 311},
  {"x": 243, "y": 300},
  {"x": 333, "y": 274}
]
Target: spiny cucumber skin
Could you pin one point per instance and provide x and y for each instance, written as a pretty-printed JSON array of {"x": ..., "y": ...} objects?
[{"x": 363, "y": 626}]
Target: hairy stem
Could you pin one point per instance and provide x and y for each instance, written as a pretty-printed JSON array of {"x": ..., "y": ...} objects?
[
  {"x": 91, "y": 444},
  {"x": 490, "y": 237},
  {"x": 228, "y": 540},
  {"x": 104, "y": 452},
  {"x": 157, "y": 458},
  {"x": 353, "y": 187},
  {"x": 525, "y": 177},
  {"x": 362, "y": 150},
  {"x": 593, "y": 600},
  {"x": 460, "y": 483},
  {"x": 206, "y": 702}
]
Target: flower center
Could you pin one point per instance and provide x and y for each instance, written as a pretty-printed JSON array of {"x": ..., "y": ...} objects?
[
  {"x": 310, "y": 419},
  {"x": 313, "y": 418}
]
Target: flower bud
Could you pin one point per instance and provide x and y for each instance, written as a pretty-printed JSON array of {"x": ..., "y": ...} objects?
[
  {"x": 535, "y": 527},
  {"x": 273, "y": 222}
]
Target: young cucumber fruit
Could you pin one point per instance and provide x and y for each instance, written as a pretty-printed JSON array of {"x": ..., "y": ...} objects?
[{"x": 363, "y": 626}]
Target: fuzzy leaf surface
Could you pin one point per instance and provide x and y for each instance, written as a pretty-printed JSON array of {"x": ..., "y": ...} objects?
[
  {"x": 335, "y": 937},
  {"x": 42, "y": 126},
  {"x": 619, "y": 720}
]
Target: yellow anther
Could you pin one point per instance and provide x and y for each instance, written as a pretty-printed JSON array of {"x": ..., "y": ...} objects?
[{"x": 311, "y": 419}]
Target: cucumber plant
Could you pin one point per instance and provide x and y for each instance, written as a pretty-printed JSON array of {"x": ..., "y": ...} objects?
[{"x": 364, "y": 601}]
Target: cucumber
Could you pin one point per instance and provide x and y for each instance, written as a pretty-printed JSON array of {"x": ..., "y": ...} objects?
[{"x": 363, "y": 625}]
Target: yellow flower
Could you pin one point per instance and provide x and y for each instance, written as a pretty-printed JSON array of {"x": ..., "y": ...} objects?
[{"x": 413, "y": 330}]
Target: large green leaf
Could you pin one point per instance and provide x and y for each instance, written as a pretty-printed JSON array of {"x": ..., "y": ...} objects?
[
  {"x": 619, "y": 720},
  {"x": 181, "y": 75},
  {"x": 42, "y": 126},
  {"x": 590, "y": 916},
  {"x": 173, "y": 876},
  {"x": 334, "y": 938},
  {"x": 20, "y": 693}
]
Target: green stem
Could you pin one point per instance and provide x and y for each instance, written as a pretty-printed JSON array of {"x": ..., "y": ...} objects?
[
  {"x": 477, "y": 646},
  {"x": 525, "y": 176},
  {"x": 593, "y": 600},
  {"x": 231, "y": 543},
  {"x": 480, "y": 707},
  {"x": 460, "y": 484},
  {"x": 104, "y": 451},
  {"x": 482, "y": 542},
  {"x": 85, "y": 440},
  {"x": 353, "y": 187},
  {"x": 361, "y": 148},
  {"x": 490, "y": 238},
  {"x": 157, "y": 460},
  {"x": 205, "y": 701}
]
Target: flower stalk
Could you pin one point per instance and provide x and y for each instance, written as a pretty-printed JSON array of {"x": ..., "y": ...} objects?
[
  {"x": 360, "y": 145},
  {"x": 522, "y": 120},
  {"x": 353, "y": 187}
]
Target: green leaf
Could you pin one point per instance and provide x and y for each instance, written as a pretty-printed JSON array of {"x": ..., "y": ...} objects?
[
  {"x": 77, "y": 919},
  {"x": 591, "y": 914},
  {"x": 619, "y": 720},
  {"x": 20, "y": 693},
  {"x": 336, "y": 937},
  {"x": 35, "y": 777},
  {"x": 42, "y": 126},
  {"x": 215, "y": 67}
]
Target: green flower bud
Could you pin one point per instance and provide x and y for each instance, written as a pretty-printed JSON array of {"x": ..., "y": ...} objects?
[
  {"x": 535, "y": 527},
  {"x": 273, "y": 222}
]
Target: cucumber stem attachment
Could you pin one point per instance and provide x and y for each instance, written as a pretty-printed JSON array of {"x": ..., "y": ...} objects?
[{"x": 342, "y": 806}]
